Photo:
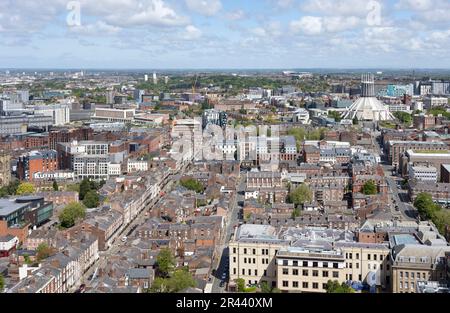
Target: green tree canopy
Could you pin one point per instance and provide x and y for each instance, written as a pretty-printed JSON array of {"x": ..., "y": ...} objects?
[
  {"x": 43, "y": 251},
  {"x": 91, "y": 199},
  {"x": 333, "y": 286},
  {"x": 192, "y": 184},
  {"x": 2, "y": 283},
  {"x": 165, "y": 261},
  {"x": 71, "y": 214},
  {"x": 85, "y": 187},
  {"x": 25, "y": 188},
  {"x": 240, "y": 283},
  {"x": 300, "y": 195},
  {"x": 180, "y": 279},
  {"x": 429, "y": 210},
  {"x": 370, "y": 188},
  {"x": 403, "y": 117}
]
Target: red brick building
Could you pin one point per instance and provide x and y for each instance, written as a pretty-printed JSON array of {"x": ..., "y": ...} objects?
[{"x": 36, "y": 162}]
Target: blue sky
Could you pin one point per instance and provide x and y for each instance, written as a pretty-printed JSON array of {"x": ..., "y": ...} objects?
[{"x": 225, "y": 34}]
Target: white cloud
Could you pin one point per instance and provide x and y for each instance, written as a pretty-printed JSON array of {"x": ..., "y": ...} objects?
[
  {"x": 192, "y": 32},
  {"x": 337, "y": 7},
  {"x": 98, "y": 28},
  {"x": 315, "y": 25},
  {"x": 204, "y": 7},
  {"x": 236, "y": 15},
  {"x": 308, "y": 25}
]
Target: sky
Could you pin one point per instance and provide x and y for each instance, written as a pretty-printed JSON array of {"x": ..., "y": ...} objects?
[{"x": 170, "y": 34}]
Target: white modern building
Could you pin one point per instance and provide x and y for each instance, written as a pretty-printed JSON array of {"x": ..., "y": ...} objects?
[
  {"x": 137, "y": 166},
  {"x": 423, "y": 173}
]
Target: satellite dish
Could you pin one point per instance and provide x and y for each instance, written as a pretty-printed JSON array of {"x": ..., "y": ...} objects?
[{"x": 372, "y": 279}]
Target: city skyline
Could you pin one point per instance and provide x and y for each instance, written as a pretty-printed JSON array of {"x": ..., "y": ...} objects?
[{"x": 214, "y": 34}]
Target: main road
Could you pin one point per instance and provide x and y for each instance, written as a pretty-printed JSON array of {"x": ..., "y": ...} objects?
[{"x": 400, "y": 206}]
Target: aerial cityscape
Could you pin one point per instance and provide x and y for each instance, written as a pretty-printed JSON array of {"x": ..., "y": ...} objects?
[{"x": 194, "y": 147}]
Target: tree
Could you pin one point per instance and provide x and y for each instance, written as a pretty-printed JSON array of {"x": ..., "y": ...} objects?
[
  {"x": 71, "y": 214},
  {"x": 160, "y": 285},
  {"x": 296, "y": 213},
  {"x": 265, "y": 288},
  {"x": 403, "y": 117},
  {"x": 370, "y": 188},
  {"x": 355, "y": 121},
  {"x": 25, "y": 189},
  {"x": 165, "y": 261},
  {"x": 333, "y": 286},
  {"x": 55, "y": 186},
  {"x": 240, "y": 283},
  {"x": 43, "y": 251},
  {"x": 300, "y": 195},
  {"x": 180, "y": 279},
  {"x": 192, "y": 184},
  {"x": 429, "y": 210},
  {"x": 85, "y": 187},
  {"x": 336, "y": 115},
  {"x": 2, "y": 283},
  {"x": 91, "y": 200}
]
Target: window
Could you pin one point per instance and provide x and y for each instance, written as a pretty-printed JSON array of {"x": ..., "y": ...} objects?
[
  {"x": 374, "y": 257},
  {"x": 360, "y": 277},
  {"x": 315, "y": 264},
  {"x": 245, "y": 250},
  {"x": 325, "y": 273},
  {"x": 285, "y": 283},
  {"x": 325, "y": 264},
  {"x": 305, "y": 263},
  {"x": 294, "y": 263},
  {"x": 249, "y": 282},
  {"x": 263, "y": 251},
  {"x": 335, "y": 274},
  {"x": 295, "y": 272},
  {"x": 350, "y": 255},
  {"x": 406, "y": 274},
  {"x": 254, "y": 260},
  {"x": 335, "y": 265},
  {"x": 368, "y": 256},
  {"x": 350, "y": 277},
  {"x": 357, "y": 265},
  {"x": 295, "y": 284},
  {"x": 245, "y": 260},
  {"x": 285, "y": 271},
  {"x": 305, "y": 284},
  {"x": 315, "y": 273},
  {"x": 424, "y": 276},
  {"x": 234, "y": 250},
  {"x": 381, "y": 266},
  {"x": 401, "y": 285},
  {"x": 418, "y": 275},
  {"x": 324, "y": 286},
  {"x": 315, "y": 285},
  {"x": 243, "y": 271},
  {"x": 357, "y": 255},
  {"x": 406, "y": 285},
  {"x": 234, "y": 259},
  {"x": 254, "y": 251},
  {"x": 305, "y": 272},
  {"x": 412, "y": 285},
  {"x": 285, "y": 262},
  {"x": 350, "y": 265},
  {"x": 256, "y": 272},
  {"x": 368, "y": 266},
  {"x": 234, "y": 271}
]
